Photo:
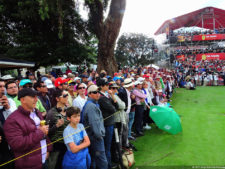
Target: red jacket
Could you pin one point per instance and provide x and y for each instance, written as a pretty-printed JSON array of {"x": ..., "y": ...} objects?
[{"x": 23, "y": 137}]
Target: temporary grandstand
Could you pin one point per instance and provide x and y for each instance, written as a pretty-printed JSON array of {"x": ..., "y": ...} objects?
[{"x": 200, "y": 34}]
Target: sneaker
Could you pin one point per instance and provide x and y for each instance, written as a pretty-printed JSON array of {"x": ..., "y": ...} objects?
[
  {"x": 131, "y": 138},
  {"x": 147, "y": 127}
]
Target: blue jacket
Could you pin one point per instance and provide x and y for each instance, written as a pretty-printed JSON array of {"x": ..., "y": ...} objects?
[{"x": 93, "y": 118}]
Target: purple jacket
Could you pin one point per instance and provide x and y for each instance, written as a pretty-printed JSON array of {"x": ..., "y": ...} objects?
[{"x": 23, "y": 137}]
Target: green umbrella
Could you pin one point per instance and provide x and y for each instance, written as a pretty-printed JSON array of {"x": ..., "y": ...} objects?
[{"x": 166, "y": 119}]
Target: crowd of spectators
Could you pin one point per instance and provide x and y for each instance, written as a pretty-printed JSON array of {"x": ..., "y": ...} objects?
[
  {"x": 71, "y": 102},
  {"x": 193, "y": 52},
  {"x": 197, "y": 32},
  {"x": 200, "y": 73}
]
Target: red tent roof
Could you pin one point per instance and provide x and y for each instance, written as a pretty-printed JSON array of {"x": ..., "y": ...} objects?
[{"x": 208, "y": 18}]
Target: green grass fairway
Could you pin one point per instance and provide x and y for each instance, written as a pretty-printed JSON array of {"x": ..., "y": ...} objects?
[{"x": 202, "y": 142}]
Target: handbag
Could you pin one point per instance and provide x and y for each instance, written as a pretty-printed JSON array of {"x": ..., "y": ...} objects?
[{"x": 128, "y": 158}]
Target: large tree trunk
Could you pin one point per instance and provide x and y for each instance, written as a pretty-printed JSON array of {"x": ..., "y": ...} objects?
[
  {"x": 107, "y": 35},
  {"x": 106, "y": 59}
]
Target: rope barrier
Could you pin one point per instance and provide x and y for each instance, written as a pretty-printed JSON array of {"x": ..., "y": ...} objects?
[{"x": 52, "y": 142}]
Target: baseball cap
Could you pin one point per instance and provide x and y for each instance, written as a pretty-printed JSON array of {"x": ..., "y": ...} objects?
[
  {"x": 48, "y": 83},
  {"x": 60, "y": 81},
  {"x": 26, "y": 92},
  {"x": 71, "y": 82},
  {"x": 92, "y": 88},
  {"x": 24, "y": 81},
  {"x": 102, "y": 82}
]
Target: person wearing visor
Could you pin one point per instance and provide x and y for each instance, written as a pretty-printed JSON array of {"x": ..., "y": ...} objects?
[
  {"x": 56, "y": 117},
  {"x": 71, "y": 93},
  {"x": 26, "y": 83}
]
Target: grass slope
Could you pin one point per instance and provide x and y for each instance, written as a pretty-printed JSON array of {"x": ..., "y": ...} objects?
[{"x": 202, "y": 142}]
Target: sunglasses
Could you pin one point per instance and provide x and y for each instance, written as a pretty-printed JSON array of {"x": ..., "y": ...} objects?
[
  {"x": 64, "y": 83},
  {"x": 81, "y": 87},
  {"x": 71, "y": 84},
  {"x": 95, "y": 92},
  {"x": 43, "y": 86},
  {"x": 64, "y": 96},
  {"x": 28, "y": 86},
  {"x": 114, "y": 88}
]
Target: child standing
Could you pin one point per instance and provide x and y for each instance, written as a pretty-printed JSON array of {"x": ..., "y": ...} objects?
[{"x": 77, "y": 141}]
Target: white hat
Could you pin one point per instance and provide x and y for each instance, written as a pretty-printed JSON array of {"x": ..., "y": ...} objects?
[
  {"x": 7, "y": 77},
  {"x": 128, "y": 82},
  {"x": 48, "y": 83},
  {"x": 92, "y": 88},
  {"x": 137, "y": 82},
  {"x": 76, "y": 78},
  {"x": 140, "y": 79}
]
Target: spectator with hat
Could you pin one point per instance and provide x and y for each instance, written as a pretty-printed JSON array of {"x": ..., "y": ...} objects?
[
  {"x": 24, "y": 132},
  {"x": 92, "y": 116},
  {"x": 71, "y": 93},
  {"x": 84, "y": 79},
  {"x": 126, "y": 97},
  {"x": 61, "y": 83},
  {"x": 108, "y": 106},
  {"x": 26, "y": 83},
  {"x": 120, "y": 117},
  {"x": 139, "y": 108},
  {"x": 42, "y": 89}
]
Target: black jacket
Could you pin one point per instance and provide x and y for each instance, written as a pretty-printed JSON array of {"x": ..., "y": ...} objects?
[
  {"x": 108, "y": 108},
  {"x": 123, "y": 96}
]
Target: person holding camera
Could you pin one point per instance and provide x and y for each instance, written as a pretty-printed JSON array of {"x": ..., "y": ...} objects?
[
  {"x": 56, "y": 117},
  {"x": 7, "y": 106},
  {"x": 25, "y": 133}
]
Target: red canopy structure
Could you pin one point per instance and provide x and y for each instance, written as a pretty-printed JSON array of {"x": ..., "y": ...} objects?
[{"x": 208, "y": 18}]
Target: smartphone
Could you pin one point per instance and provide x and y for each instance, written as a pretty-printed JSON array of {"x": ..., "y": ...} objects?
[{"x": 3, "y": 94}]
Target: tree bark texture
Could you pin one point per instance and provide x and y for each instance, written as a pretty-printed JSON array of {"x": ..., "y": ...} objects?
[{"x": 107, "y": 32}]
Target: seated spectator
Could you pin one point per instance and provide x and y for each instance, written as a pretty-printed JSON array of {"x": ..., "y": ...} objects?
[{"x": 190, "y": 84}]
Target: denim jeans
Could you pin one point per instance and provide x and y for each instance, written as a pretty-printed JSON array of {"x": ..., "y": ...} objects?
[
  {"x": 130, "y": 123},
  {"x": 108, "y": 141},
  {"x": 97, "y": 152}
]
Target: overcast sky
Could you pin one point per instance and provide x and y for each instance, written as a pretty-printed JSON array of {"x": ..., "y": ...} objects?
[{"x": 146, "y": 16}]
